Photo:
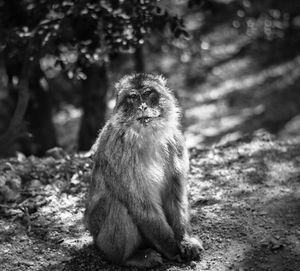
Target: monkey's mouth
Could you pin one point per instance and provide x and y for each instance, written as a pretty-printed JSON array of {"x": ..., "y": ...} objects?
[{"x": 145, "y": 119}]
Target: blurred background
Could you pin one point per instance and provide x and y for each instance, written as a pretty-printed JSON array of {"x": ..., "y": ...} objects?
[{"x": 234, "y": 65}]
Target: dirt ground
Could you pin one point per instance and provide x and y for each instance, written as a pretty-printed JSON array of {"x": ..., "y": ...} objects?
[{"x": 245, "y": 206}]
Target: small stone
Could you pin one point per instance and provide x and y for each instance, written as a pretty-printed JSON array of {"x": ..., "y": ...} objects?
[{"x": 193, "y": 264}]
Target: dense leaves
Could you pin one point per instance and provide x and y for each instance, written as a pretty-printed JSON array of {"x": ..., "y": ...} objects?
[{"x": 77, "y": 33}]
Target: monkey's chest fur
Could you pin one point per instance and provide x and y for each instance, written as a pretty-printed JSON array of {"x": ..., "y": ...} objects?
[{"x": 142, "y": 162}]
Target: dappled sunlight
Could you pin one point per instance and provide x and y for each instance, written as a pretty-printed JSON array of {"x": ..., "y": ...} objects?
[
  {"x": 66, "y": 214},
  {"x": 291, "y": 130},
  {"x": 78, "y": 241},
  {"x": 245, "y": 168},
  {"x": 211, "y": 120},
  {"x": 64, "y": 225},
  {"x": 214, "y": 113},
  {"x": 231, "y": 69},
  {"x": 290, "y": 68},
  {"x": 281, "y": 172},
  {"x": 203, "y": 112}
]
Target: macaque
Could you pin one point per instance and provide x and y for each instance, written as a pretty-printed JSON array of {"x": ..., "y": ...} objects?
[{"x": 137, "y": 207}]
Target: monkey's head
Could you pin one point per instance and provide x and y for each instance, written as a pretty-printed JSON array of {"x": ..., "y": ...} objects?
[{"x": 144, "y": 101}]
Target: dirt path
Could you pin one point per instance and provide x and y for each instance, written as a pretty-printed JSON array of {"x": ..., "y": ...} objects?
[
  {"x": 248, "y": 211},
  {"x": 245, "y": 206}
]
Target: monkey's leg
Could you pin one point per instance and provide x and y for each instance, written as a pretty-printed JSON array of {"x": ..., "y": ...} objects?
[
  {"x": 177, "y": 213},
  {"x": 146, "y": 213},
  {"x": 119, "y": 239}
]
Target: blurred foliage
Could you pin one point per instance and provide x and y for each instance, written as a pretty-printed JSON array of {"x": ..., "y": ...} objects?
[
  {"x": 58, "y": 38},
  {"x": 73, "y": 34},
  {"x": 267, "y": 19}
]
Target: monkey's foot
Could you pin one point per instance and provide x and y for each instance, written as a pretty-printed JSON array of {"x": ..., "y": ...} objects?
[
  {"x": 190, "y": 248},
  {"x": 148, "y": 258}
]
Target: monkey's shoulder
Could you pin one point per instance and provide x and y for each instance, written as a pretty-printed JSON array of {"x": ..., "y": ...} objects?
[{"x": 176, "y": 144}]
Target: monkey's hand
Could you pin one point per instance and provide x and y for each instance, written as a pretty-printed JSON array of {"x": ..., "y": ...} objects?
[{"x": 190, "y": 248}]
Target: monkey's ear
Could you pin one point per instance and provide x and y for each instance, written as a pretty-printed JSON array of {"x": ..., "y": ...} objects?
[
  {"x": 116, "y": 88},
  {"x": 119, "y": 85},
  {"x": 162, "y": 80}
]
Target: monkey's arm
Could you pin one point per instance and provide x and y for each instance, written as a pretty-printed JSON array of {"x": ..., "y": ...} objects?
[
  {"x": 176, "y": 205},
  {"x": 176, "y": 208},
  {"x": 146, "y": 213}
]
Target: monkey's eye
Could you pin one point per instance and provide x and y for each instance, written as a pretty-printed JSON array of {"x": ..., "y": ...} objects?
[
  {"x": 131, "y": 97},
  {"x": 151, "y": 95},
  {"x": 148, "y": 92}
]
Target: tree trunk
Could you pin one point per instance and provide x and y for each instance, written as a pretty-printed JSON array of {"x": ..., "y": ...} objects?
[
  {"x": 139, "y": 61},
  {"x": 39, "y": 117},
  {"x": 15, "y": 128},
  {"x": 93, "y": 104}
]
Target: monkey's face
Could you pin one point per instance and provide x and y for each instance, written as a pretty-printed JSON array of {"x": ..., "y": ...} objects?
[
  {"x": 141, "y": 105},
  {"x": 143, "y": 100}
]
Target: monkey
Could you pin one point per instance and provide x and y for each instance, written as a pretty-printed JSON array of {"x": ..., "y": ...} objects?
[{"x": 137, "y": 207}]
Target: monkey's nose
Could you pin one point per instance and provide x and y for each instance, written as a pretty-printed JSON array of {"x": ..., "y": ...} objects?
[{"x": 143, "y": 107}]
